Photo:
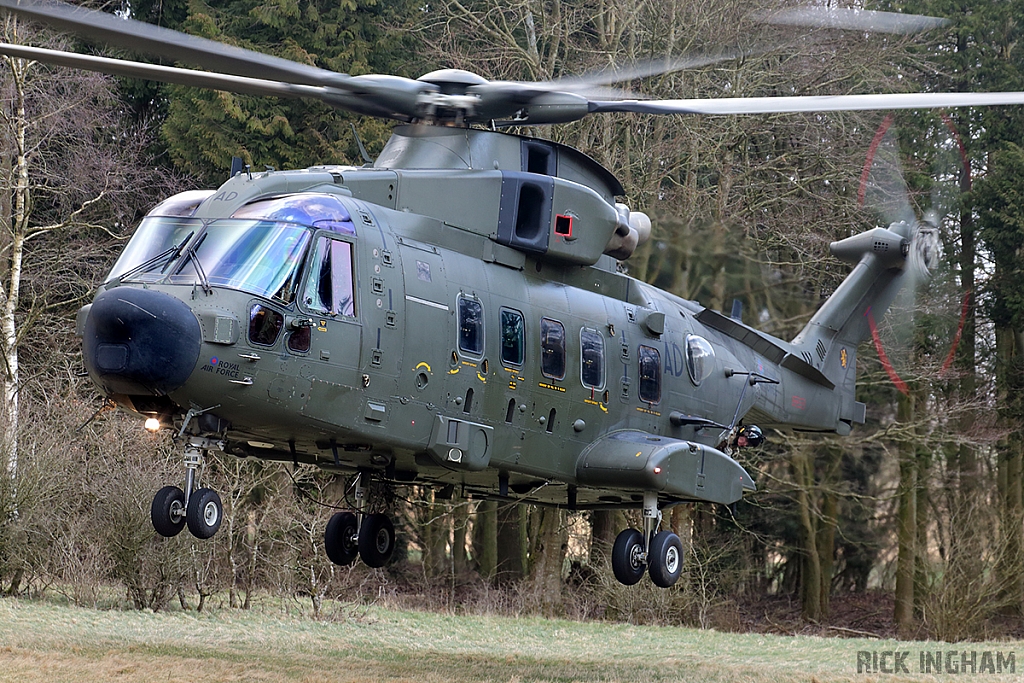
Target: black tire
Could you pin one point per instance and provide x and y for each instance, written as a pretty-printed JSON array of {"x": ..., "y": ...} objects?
[
  {"x": 376, "y": 540},
  {"x": 168, "y": 511},
  {"x": 204, "y": 513},
  {"x": 665, "y": 559},
  {"x": 626, "y": 553},
  {"x": 340, "y": 538}
]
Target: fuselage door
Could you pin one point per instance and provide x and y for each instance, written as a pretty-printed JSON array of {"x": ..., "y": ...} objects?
[
  {"x": 328, "y": 331},
  {"x": 428, "y": 340}
]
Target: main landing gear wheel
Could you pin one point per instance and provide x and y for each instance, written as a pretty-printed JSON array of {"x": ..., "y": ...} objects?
[
  {"x": 665, "y": 559},
  {"x": 204, "y": 513},
  {"x": 168, "y": 511},
  {"x": 341, "y": 538},
  {"x": 376, "y": 540},
  {"x": 628, "y": 557}
]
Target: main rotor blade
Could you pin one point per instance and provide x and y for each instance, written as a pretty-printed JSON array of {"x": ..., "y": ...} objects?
[
  {"x": 809, "y": 103},
  {"x": 155, "y": 40},
  {"x": 165, "y": 74},
  {"x": 655, "y": 67},
  {"x": 856, "y": 20}
]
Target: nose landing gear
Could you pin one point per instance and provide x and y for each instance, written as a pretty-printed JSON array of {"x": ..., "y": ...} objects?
[
  {"x": 200, "y": 509},
  {"x": 660, "y": 552}
]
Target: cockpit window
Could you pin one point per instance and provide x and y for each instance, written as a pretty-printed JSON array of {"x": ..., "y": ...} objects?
[
  {"x": 255, "y": 256},
  {"x": 259, "y": 257},
  {"x": 182, "y": 205},
  {"x": 156, "y": 243},
  {"x": 330, "y": 285},
  {"x": 323, "y": 211}
]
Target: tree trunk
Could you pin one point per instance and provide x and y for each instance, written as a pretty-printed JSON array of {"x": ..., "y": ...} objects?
[
  {"x": 11, "y": 291},
  {"x": 604, "y": 526},
  {"x": 810, "y": 564},
  {"x": 485, "y": 539},
  {"x": 826, "y": 542},
  {"x": 460, "y": 521},
  {"x": 435, "y": 536},
  {"x": 548, "y": 560},
  {"x": 906, "y": 528},
  {"x": 511, "y": 544}
]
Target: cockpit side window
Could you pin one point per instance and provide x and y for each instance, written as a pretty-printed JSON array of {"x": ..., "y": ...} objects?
[{"x": 330, "y": 286}]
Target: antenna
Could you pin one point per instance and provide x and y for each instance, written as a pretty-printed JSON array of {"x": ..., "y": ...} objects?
[{"x": 359, "y": 142}]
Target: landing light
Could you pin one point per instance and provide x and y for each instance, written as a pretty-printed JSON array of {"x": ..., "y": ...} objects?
[{"x": 152, "y": 424}]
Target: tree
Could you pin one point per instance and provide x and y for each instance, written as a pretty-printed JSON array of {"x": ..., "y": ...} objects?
[
  {"x": 52, "y": 123},
  {"x": 204, "y": 129},
  {"x": 1001, "y": 219}
]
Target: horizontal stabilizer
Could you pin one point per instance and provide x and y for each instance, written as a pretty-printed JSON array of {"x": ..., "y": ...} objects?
[{"x": 768, "y": 347}]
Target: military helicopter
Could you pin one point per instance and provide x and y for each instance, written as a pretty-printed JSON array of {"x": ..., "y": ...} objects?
[{"x": 452, "y": 315}]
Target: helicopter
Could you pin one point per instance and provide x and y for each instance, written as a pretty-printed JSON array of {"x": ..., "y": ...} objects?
[{"x": 452, "y": 314}]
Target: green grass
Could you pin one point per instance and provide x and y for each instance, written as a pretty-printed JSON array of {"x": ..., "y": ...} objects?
[{"x": 47, "y": 642}]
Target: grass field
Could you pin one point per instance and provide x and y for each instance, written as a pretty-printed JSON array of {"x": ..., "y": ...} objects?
[{"x": 47, "y": 642}]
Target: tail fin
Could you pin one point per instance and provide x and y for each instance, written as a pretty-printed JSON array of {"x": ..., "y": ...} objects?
[
  {"x": 829, "y": 341},
  {"x": 816, "y": 385}
]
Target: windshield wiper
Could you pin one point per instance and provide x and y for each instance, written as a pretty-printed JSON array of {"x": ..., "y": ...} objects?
[
  {"x": 166, "y": 257},
  {"x": 190, "y": 255}
]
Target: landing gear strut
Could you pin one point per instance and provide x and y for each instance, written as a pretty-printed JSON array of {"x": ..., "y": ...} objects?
[
  {"x": 371, "y": 536},
  {"x": 660, "y": 552},
  {"x": 199, "y": 509}
]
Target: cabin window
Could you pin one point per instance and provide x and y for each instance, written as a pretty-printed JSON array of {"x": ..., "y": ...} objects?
[
  {"x": 552, "y": 347},
  {"x": 471, "y": 326},
  {"x": 265, "y": 325},
  {"x": 592, "y": 358},
  {"x": 650, "y": 374},
  {"x": 513, "y": 337},
  {"x": 700, "y": 358},
  {"x": 330, "y": 286}
]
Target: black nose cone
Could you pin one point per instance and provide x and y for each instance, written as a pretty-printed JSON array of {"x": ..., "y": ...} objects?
[{"x": 138, "y": 341}]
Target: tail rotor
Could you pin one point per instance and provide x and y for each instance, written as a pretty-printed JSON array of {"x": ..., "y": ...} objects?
[{"x": 918, "y": 206}]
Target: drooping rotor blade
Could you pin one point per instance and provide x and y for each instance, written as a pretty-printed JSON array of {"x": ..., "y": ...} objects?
[
  {"x": 656, "y": 67},
  {"x": 155, "y": 40},
  {"x": 242, "y": 71},
  {"x": 165, "y": 74},
  {"x": 852, "y": 19},
  {"x": 809, "y": 103}
]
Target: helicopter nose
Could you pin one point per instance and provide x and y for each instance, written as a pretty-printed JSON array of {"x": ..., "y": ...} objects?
[{"x": 138, "y": 341}]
